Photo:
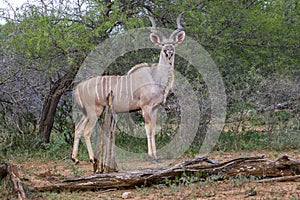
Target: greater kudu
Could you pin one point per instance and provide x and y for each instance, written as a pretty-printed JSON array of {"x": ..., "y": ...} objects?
[{"x": 144, "y": 87}]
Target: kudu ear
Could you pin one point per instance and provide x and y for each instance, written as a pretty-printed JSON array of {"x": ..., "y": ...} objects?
[
  {"x": 155, "y": 39},
  {"x": 179, "y": 37}
]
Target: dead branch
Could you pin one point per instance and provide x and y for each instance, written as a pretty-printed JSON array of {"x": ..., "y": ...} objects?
[
  {"x": 280, "y": 179},
  {"x": 249, "y": 166}
]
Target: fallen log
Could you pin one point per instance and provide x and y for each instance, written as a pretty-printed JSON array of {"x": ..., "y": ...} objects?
[
  {"x": 283, "y": 166},
  {"x": 280, "y": 179},
  {"x": 248, "y": 166}
]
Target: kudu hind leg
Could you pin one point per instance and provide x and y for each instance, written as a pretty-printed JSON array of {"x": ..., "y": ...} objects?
[
  {"x": 78, "y": 133},
  {"x": 87, "y": 136}
]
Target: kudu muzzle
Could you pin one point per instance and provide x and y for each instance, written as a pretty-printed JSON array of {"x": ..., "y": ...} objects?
[{"x": 169, "y": 52}]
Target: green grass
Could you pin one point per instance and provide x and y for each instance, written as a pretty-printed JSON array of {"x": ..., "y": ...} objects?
[
  {"x": 20, "y": 148},
  {"x": 284, "y": 135},
  {"x": 58, "y": 148},
  {"x": 254, "y": 140},
  {"x": 139, "y": 145}
]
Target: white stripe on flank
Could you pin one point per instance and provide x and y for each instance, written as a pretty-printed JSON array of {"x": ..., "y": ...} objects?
[
  {"x": 88, "y": 87},
  {"x": 126, "y": 90},
  {"x": 106, "y": 87},
  {"x": 116, "y": 89},
  {"x": 109, "y": 86},
  {"x": 79, "y": 99},
  {"x": 131, "y": 91},
  {"x": 102, "y": 86},
  {"x": 120, "y": 92},
  {"x": 97, "y": 88}
]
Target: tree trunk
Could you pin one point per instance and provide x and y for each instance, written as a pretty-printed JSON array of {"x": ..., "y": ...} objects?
[
  {"x": 50, "y": 105},
  {"x": 105, "y": 155}
]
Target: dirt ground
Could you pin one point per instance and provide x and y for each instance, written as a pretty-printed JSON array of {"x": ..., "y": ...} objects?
[{"x": 38, "y": 172}]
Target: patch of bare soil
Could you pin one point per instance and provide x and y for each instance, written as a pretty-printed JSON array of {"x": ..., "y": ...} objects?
[{"x": 37, "y": 172}]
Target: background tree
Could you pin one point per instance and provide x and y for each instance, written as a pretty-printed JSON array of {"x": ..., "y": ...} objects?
[
  {"x": 54, "y": 39},
  {"x": 255, "y": 45}
]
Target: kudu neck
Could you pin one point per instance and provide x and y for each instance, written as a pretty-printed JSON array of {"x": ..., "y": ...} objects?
[{"x": 164, "y": 72}]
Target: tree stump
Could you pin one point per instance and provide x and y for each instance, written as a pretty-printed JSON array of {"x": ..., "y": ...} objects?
[
  {"x": 10, "y": 172},
  {"x": 105, "y": 155}
]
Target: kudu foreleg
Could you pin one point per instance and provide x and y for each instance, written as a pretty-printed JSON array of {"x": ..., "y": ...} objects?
[
  {"x": 150, "y": 120},
  {"x": 153, "y": 123},
  {"x": 149, "y": 138}
]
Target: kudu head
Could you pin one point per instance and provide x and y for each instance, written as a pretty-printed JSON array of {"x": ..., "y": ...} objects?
[{"x": 167, "y": 44}]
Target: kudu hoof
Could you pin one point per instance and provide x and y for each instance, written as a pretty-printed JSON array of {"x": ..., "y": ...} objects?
[
  {"x": 75, "y": 161},
  {"x": 153, "y": 160}
]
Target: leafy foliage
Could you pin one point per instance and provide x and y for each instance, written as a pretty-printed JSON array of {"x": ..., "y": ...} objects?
[{"x": 255, "y": 45}]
